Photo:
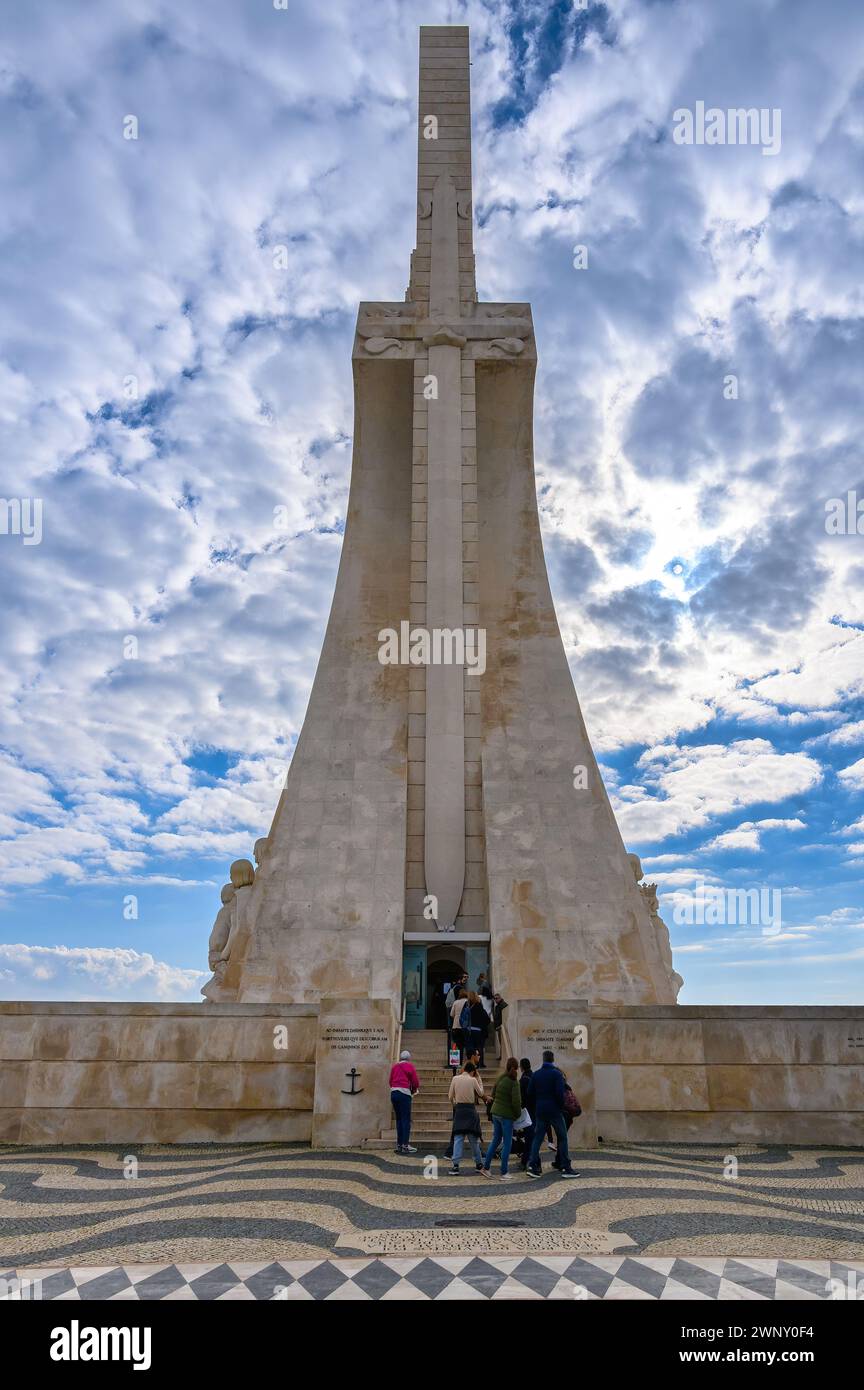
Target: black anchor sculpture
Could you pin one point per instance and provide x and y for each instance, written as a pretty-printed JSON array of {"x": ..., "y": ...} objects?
[{"x": 354, "y": 1074}]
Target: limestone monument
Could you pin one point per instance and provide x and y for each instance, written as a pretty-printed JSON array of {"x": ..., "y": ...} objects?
[{"x": 443, "y": 789}]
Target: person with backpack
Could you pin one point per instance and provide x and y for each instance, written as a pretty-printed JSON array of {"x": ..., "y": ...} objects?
[
  {"x": 506, "y": 1109},
  {"x": 449, "y": 1000},
  {"x": 572, "y": 1110},
  {"x": 460, "y": 1015},
  {"x": 453, "y": 994},
  {"x": 546, "y": 1089},
  {"x": 404, "y": 1084}
]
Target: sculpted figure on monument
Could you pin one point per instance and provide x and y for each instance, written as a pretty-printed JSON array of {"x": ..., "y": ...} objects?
[
  {"x": 512, "y": 346},
  {"x": 228, "y": 922},
  {"x": 241, "y": 873},
  {"x": 661, "y": 931},
  {"x": 221, "y": 932},
  {"x": 384, "y": 311},
  {"x": 260, "y": 849}
]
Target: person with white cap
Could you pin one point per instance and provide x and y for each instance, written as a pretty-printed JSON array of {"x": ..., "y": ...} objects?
[{"x": 404, "y": 1083}]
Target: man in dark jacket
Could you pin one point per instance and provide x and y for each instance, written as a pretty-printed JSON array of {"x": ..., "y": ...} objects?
[{"x": 546, "y": 1092}]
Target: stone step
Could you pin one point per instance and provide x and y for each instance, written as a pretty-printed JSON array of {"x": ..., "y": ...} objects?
[{"x": 438, "y": 1135}]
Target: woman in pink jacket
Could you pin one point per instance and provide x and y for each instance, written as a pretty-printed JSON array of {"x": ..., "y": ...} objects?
[{"x": 404, "y": 1083}]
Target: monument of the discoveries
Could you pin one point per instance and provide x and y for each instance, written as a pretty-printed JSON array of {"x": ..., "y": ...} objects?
[
  {"x": 441, "y": 797},
  {"x": 443, "y": 809}
]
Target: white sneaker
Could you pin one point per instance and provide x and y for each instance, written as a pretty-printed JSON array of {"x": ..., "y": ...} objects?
[
  {"x": 485, "y": 1172},
  {"x": 505, "y": 1177}
]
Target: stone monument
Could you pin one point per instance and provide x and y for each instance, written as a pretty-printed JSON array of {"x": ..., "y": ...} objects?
[{"x": 444, "y": 781}]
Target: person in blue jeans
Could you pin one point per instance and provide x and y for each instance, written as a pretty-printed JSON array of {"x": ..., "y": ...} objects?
[
  {"x": 546, "y": 1091},
  {"x": 404, "y": 1084},
  {"x": 466, "y": 1092},
  {"x": 506, "y": 1109}
]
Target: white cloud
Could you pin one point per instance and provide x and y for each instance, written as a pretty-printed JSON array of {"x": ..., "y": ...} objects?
[
  {"x": 826, "y": 958},
  {"x": 692, "y": 785},
  {"x": 91, "y": 972},
  {"x": 850, "y": 733},
  {"x": 748, "y": 835},
  {"x": 853, "y": 775}
]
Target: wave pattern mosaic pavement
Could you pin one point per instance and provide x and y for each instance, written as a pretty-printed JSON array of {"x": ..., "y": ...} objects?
[{"x": 209, "y": 1207}]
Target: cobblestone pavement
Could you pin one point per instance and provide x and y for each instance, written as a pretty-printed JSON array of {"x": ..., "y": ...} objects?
[{"x": 270, "y": 1220}]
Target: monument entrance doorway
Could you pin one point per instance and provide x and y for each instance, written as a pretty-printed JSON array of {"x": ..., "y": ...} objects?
[
  {"x": 427, "y": 967},
  {"x": 445, "y": 964}
]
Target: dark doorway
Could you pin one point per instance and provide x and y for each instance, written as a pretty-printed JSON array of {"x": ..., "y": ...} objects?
[{"x": 440, "y": 973}]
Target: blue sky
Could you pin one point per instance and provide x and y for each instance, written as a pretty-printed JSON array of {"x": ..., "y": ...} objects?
[{"x": 164, "y": 386}]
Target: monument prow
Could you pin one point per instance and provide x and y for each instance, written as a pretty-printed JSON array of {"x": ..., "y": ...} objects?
[{"x": 428, "y": 801}]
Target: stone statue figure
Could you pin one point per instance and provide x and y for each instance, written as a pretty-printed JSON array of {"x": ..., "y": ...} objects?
[
  {"x": 241, "y": 873},
  {"x": 260, "y": 849},
  {"x": 228, "y": 921},
  {"x": 219, "y": 936},
  {"x": 661, "y": 931}
]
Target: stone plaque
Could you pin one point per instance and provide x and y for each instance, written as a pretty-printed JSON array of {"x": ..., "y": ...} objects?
[
  {"x": 352, "y": 1068},
  {"x": 484, "y": 1241}
]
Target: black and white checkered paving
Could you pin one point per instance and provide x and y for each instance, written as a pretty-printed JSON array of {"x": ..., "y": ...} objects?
[{"x": 448, "y": 1277}]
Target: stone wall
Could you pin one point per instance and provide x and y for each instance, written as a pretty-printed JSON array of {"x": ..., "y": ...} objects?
[
  {"x": 786, "y": 1074},
  {"x": 186, "y": 1073},
  {"x": 155, "y": 1073}
]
